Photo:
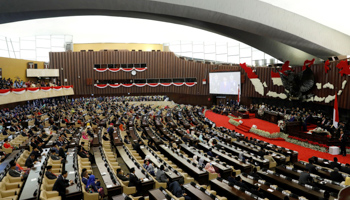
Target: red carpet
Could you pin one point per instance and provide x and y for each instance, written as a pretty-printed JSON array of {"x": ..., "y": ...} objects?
[
  {"x": 304, "y": 153},
  {"x": 261, "y": 124}
]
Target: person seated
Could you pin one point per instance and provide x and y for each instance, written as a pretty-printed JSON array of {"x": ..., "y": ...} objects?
[
  {"x": 147, "y": 164},
  {"x": 304, "y": 177},
  {"x": 177, "y": 190},
  {"x": 7, "y": 145},
  {"x": 85, "y": 177},
  {"x": 92, "y": 186},
  {"x": 30, "y": 161},
  {"x": 326, "y": 196},
  {"x": 134, "y": 181},
  {"x": 2, "y": 156},
  {"x": 55, "y": 147},
  {"x": 49, "y": 173},
  {"x": 209, "y": 166},
  {"x": 163, "y": 137},
  {"x": 121, "y": 176},
  {"x": 62, "y": 151},
  {"x": 257, "y": 190},
  {"x": 160, "y": 176},
  {"x": 104, "y": 137},
  {"x": 54, "y": 156},
  {"x": 232, "y": 178},
  {"x": 240, "y": 183},
  {"x": 61, "y": 184},
  {"x": 210, "y": 153},
  {"x": 336, "y": 176},
  {"x": 255, "y": 174},
  {"x": 346, "y": 168},
  {"x": 126, "y": 140},
  {"x": 335, "y": 163},
  {"x": 13, "y": 172},
  {"x": 312, "y": 168}
]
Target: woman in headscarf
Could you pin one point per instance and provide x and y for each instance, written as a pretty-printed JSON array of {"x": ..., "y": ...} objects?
[{"x": 92, "y": 186}]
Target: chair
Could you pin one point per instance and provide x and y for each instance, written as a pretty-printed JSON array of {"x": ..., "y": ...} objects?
[
  {"x": 89, "y": 196},
  {"x": 9, "y": 187},
  {"x": 47, "y": 184},
  {"x": 6, "y": 150},
  {"x": 159, "y": 184},
  {"x": 126, "y": 188},
  {"x": 49, "y": 195},
  {"x": 10, "y": 195},
  {"x": 10, "y": 179}
]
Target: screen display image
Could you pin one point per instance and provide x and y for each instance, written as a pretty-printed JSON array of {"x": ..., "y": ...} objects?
[{"x": 224, "y": 83}]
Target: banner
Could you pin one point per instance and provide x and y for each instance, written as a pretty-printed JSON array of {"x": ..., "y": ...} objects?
[
  {"x": 188, "y": 84},
  {"x": 122, "y": 69}
]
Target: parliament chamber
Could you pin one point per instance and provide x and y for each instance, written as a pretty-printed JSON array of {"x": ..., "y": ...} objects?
[{"x": 120, "y": 100}]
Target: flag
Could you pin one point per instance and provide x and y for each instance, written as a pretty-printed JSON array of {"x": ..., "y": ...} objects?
[
  {"x": 335, "y": 112},
  {"x": 239, "y": 95}
]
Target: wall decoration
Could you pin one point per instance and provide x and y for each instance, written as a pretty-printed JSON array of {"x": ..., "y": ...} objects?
[
  {"x": 188, "y": 84},
  {"x": 344, "y": 67},
  {"x": 297, "y": 83},
  {"x": 264, "y": 84},
  {"x": 319, "y": 86},
  {"x": 343, "y": 84},
  {"x": 33, "y": 90},
  {"x": 308, "y": 63},
  {"x": 319, "y": 99},
  {"x": 329, "y": 98},
  {"x": 326, "y": 66},
  {"x": 328, "y": 85},
  {"x": 276, "y": 79},
  {"x": 253, "y": 77},
  {"x": 339, "y": 92},
  {"x": 120, "y": 69},
  {"x": 275, "y": 94}
]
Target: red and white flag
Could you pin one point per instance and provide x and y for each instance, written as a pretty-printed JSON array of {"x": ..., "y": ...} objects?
[
  {"x": 239, "y": 95},
  {"x": 335, "y": 112}
]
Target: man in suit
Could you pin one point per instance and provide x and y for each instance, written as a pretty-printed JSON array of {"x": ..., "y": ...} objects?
[
  {"x": 335, "y": 163},
  {"x": 105, "y": 138},
  {"x": 160, "y": 176},
  {"x": 304, "y": 177},
  {"x": 210, "y": 153},
  {"x": 61, "y": 184},
  {"x": 62, "y": 151},
  {"x": 85, "y": 177},
  {"x": 176, "y": 188},
  {"x": 15, "y": 173},
  {"x": 30, "y": 161},
  {"x": 49, "y": 173},
  {"x": 121, "y": 175},
  {"x": 336, "y": 176},
  {"x": 310, "y": 166},
  {"x": 346, "y": 168},
  {"x": 134, "y": 181},
  {"x": 343, "y": 140},
  {"x": 255, "y": 174},
  {"x": 54, "y": 156}
]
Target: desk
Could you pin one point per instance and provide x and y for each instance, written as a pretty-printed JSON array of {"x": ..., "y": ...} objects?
[
  {"x": 132, "y": 134},
  {"x": 171, "y": 175},
  {"x": 229, "y": 160},
  {"x": 31, "y": 183},
  {"x": 112, "y": 189},
  {"x": 195, "y": 193},
  {"x": 295, "y": 175},
  {"x": 191, "y": 151},
  {"x": 116, "y": 140},
  {"x": 200, "y": 175},
  {"x": 51, "y": 142},
  {"x": 72, "y": 192},
  {"x": 7, "y": 160},
  {"x": 154, "y": 138},
  {"x": 156, "y": 194},
  {"x": 146, "y": 185},
  {"x": 270, "y": 195},
  {"x": 225, "y": 190},
  {"x": 262, "y": 162},
  {"x": 291, "y": 186}
]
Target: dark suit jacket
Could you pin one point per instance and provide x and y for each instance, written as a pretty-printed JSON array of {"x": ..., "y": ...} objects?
[
  {"x": 176, "y": 189},
  {"x": 311, "y": 168},
  {"x": 62, "y": 153},
  {"x": 336, "y": 176},
  {"x": 334, "y": 164},
  {"x": 50, "y": 175},
  {"x": 133, "y": 180},
  {"x": 29, "y": 162},
  {"x": 122, "y": 177},
  {"x": 14, "y": 173},
  {"x": 303, "y": 177},
  {"x": 60, "y": 186}
]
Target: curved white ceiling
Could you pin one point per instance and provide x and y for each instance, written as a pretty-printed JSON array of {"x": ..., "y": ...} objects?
[
  {"x": 334, "y": 14},
  {"x": 106, "y": 29}
]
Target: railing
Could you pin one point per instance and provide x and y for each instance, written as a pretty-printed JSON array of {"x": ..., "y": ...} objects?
[{"x": 25, "y": 94}]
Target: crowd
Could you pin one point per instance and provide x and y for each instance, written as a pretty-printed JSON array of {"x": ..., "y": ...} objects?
[{"x": 15, "y": 84}]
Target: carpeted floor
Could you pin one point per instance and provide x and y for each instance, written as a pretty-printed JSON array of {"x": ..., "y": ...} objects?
[
  {"x": 261, "y": 124},
  {"x": 304, "y": 153}
]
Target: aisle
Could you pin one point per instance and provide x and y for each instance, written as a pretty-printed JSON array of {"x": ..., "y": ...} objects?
[{"x": 304, "y": 153}]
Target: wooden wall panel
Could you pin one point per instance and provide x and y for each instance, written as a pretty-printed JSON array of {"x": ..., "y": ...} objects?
[{"x": 167, "y": 65}]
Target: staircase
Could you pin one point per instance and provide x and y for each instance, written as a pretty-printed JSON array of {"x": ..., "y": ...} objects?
[{"x": 243, "y": 128}]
